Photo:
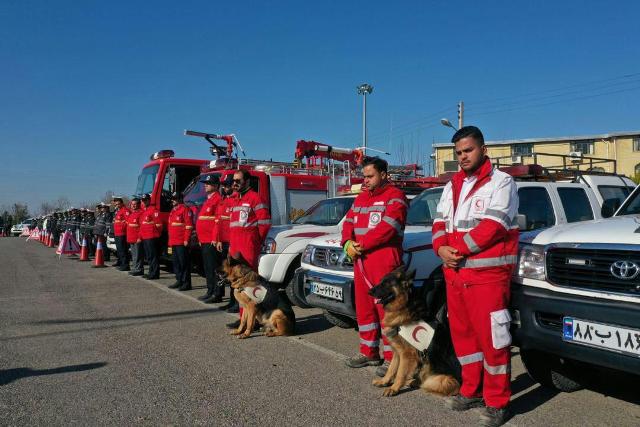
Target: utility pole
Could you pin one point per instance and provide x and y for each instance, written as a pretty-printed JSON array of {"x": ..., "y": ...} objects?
[{"x": 460, "y": 114}]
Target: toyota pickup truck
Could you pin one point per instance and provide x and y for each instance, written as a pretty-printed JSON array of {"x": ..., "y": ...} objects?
[{"x": 576, "y": 297}]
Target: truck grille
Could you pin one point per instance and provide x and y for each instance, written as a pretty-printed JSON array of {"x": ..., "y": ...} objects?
[
  {"x": 591, "y": 269},
  {"x": 331, "y": 258}
]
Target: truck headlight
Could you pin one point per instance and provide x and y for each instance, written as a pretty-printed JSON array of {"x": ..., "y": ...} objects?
[
  {"x": 269, "y": 246},
  {"x": 531, "y": 262},
  {"x": 306, "y": 255}
]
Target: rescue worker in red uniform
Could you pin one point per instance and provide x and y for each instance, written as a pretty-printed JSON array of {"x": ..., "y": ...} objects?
[
  {"x": 222, "y": 233},
  {"x": 150, "y": 232},
  {"x": 250, "y": 221},
  {"x": 372, "y": 236},
  {"x": 133, "y": 237},
  {"x": 249, "y": 224},
  {"x": 180, "y": 226},
  {"x": 205, "y": 230},
  {"x": 475, "y": 232},
  {"x": 120, "y": 234}
]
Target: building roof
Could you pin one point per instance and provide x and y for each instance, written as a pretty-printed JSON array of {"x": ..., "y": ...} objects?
[{"x": 556, "y": 139}]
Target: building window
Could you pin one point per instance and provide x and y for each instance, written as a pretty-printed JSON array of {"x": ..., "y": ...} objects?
[
  {"x": 636, "y": 144},
  {"x": 521, "y": 149},
  {"x": 584, "y": 147}
]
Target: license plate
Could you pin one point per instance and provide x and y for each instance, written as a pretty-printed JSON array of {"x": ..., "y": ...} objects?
[
  {"x": 608, "y": 337},
  {"x": 328, "y": 291},
  {"x": 169, "y": 250}
]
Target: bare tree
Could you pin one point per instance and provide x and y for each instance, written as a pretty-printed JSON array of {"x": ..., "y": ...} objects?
[
  {"x": 62, "y": 203},
  {"x": 20, "y": 212}
]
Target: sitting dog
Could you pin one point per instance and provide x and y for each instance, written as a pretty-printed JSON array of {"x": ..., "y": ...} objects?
[
  {"x": 259, "y": 300},
  {"x": 408, "y": 323}
]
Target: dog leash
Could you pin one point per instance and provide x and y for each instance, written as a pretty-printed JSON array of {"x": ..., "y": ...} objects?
[{"x": 364, "y": 276}]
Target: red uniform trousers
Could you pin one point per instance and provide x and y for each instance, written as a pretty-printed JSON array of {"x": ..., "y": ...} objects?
[
  {"x": 369, "y": 316},
  {"x": 486, "y": 371}
]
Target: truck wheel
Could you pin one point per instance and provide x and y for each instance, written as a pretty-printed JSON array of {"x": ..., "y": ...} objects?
[
  {"x": 550, "y": 371},
  {"x": 339, "y": 320},
  {"x": 291, "y": 294}
]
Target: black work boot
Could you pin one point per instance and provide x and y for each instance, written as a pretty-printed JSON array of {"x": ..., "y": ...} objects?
[
  {"x": 493, "y": 417},
  {"x": 213, "y": 299},
  {"x": 185, "y": 287},
  {"x": 235, "y": 308},
  {"x": 176, "y": 285},
  {"x": 233, "y": 325},
  {"x": 461, "y": 403},
  {"x": 360, "y": 361}
]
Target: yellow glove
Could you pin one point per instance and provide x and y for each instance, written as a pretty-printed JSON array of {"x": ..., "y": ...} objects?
[{"x": 351, "y": 249}]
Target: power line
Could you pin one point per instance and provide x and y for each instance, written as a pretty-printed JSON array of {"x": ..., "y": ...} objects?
[
  {"x": 523, "y": 107},
  {"x": 524, "y": 95}
]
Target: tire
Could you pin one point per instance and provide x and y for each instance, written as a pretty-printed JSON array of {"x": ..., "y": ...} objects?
[
  {"x": 551, "y": 371},
  {"x": 339, "y": 320}
]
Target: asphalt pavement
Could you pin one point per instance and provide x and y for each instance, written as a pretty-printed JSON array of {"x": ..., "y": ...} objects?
[{"x": 85, "y": 346}]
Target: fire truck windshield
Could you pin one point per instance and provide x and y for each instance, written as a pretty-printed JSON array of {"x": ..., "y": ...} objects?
[
  {"x": 194, "y": 194},
  {"x": 326, "y": 212},
  {"x": 423, "y": 208},
  {"x": 146, "y": 180}
]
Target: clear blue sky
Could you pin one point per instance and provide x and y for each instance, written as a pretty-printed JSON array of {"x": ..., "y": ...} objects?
[{"x": 90, "y": 89}]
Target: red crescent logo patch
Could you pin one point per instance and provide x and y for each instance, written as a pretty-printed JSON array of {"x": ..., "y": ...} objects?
[
  {"x": 415, "y": 332},
  {"x": 256, "y": 290}
]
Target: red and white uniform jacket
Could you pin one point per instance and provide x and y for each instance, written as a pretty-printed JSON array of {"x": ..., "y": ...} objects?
[
  {"x": 376, "y": 221},
  {"x": 250, "y": 221},
  {"x": 205, "y": 226},
  {"x": 180, "y": 225},
  {"x": 223, "y": 219},
  {"x": 120, "y": 221},
  {"x": 482, "y": 226},
  {"x": 150, "y": 224}
]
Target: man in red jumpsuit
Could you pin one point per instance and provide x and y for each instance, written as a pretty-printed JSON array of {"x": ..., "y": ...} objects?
[
  {"x": 180, "y": 225},
  {"x": 133, "y": 238},
  {"x": 150, "y": 232},
  {"x": 475, "y": 233},
  {"x": 250, "y": 221},
  {"x": 222, "y": 231},
  {"x": 120, "y": 234},
  {"x": 372, "y": 236},
  {"x": 205, "y": 229}
]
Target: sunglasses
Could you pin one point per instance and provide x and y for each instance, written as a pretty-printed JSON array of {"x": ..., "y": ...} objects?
[{"x": 238, "y": 181}]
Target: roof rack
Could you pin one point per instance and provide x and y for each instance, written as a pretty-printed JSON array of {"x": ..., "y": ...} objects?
[{"x": 563, "y": 167}]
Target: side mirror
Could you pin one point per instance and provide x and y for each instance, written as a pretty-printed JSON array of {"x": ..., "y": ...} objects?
[
  {"x": 522, "y": 221},
  {"x": 609, "y": 207}
]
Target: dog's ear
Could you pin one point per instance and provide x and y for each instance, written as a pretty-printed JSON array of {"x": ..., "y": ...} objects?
[{"x": 407, "y": 278}]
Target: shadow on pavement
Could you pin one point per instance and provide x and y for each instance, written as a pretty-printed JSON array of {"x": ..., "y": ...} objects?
[
  {"x": 533, "y": 398},
  {"x": 107, "y": 319},
  {"x": 312, "y": 324},
  {"x": 9, "y": 375}
]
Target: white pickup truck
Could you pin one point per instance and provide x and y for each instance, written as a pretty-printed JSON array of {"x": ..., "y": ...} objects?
[
  {"x": 325, "y": 278},
  {"x": 576, "y": 297},
  {"x": 284, "y": 243}
]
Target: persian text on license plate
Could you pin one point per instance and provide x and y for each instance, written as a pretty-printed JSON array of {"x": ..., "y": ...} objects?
[
  {"x": 608, "y": 337},
  {"x": 329, "y": 291}
]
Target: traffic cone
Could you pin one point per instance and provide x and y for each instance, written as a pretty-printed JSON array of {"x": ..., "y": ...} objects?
[
  {"x": 50, "y": 240},
  {"x": 84, "y": 250},
  {"x": 99, "y": 261}
]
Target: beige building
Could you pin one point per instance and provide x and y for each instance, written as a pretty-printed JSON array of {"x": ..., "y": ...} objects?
[{"x": 619, "y": 151}]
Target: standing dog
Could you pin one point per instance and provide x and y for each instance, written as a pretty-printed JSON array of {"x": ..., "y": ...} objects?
[
  {"x": 260, "y": 302},
  {"x": 436, "y": 369}
]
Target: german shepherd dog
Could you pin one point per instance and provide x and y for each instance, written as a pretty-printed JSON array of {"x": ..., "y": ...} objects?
[
  {"x": 274, "y": 313},
  {"x": 435, "y": 370}
]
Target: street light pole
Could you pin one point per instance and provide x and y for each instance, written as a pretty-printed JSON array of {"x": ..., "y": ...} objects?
[{"x": 364, "y": 90}]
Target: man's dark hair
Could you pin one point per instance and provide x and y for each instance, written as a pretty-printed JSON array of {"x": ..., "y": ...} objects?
[
  {"x": 467, "y": 131},
  {"x": 246, "y": 176},
  {"x": 378, "y": 164}
]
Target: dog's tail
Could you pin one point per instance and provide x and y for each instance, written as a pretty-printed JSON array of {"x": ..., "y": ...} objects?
[{"x": 440, "y": 384}]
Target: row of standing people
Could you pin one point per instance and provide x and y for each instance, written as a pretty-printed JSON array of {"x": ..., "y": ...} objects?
[
  {"x": 234, "y": 220},
  {"x": 88, "y": 227}
]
